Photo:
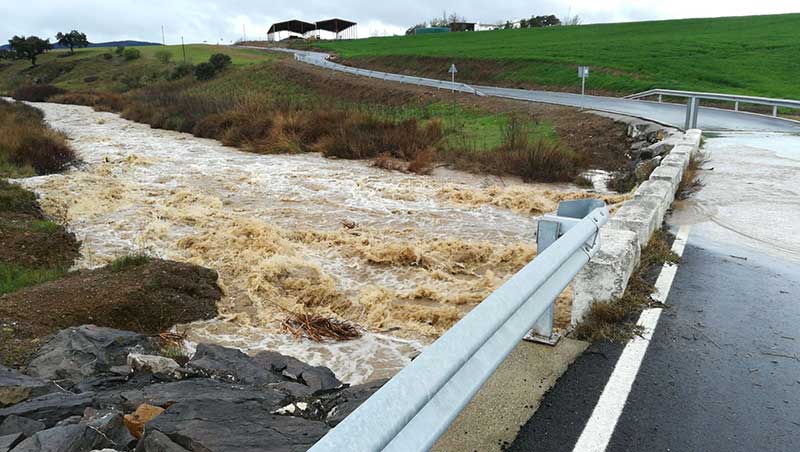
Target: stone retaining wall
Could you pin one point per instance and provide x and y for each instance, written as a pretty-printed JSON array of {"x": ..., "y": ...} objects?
[{"x": 606, "y": 276}]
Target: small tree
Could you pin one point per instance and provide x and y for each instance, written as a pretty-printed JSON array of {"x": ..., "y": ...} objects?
[
  {"x": 72, "y": 39},
  {"x": 205, "y": 71},
  {"x": 29, "y": 48},
  {"x": 220, "y": 61},
  {"x": 119, "y": 50}
]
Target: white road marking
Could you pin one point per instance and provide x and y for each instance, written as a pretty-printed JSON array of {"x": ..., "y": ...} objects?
[{"x": 597, "y": 433}]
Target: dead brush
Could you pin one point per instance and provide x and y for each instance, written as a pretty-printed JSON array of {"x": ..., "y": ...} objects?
[
  {"x": 319, "y": 328},
  {"x": 26, "y": 141},
  {"x": 692, "y": 182}
]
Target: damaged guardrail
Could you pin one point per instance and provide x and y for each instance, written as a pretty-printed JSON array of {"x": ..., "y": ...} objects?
[{"x": 412, "y": 410}]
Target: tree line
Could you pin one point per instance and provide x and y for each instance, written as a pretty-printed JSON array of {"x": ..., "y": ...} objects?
[
  {"x": 534, "y": 21},
  {"x": 30, "y": 47}
]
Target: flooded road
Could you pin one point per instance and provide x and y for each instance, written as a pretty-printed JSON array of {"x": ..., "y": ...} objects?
[
  {"x": 751, "y": 194},
  {"x": 401, "y": 255}
]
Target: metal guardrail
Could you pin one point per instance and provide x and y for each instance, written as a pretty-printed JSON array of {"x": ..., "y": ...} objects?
[
  {"x": 693, "y": 106},
  {"x": 411, "y": 411},
  {"x": 322, "y": 61}
]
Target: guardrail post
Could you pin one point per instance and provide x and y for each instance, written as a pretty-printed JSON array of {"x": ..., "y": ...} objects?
[
  {"x": 736, "y": 106},
  {"x": 660, "y": 98},
  {"x": 775, "y": 111},
  {"x": 692, "y": 109},
  {"x": 549, "y": 229}
]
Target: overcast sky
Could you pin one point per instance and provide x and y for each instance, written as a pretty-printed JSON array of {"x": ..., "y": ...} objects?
[{"x": 212, "y": 21}]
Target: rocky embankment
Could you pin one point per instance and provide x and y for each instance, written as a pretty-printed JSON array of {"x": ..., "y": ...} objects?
[{"x": 93, "y": 388}]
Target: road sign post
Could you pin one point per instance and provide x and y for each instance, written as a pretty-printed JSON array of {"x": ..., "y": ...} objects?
[
  {"x": 583, "y": 73},
  {"x": 452, "y": 72}
]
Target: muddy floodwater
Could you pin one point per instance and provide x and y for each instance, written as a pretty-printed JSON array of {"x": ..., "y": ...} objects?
[{"x": 403, "y": 256}]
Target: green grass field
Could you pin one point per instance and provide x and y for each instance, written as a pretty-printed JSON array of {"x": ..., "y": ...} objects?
[{"x": 757, "y": 55}]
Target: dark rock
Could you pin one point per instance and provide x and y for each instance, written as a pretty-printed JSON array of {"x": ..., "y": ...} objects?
[
  {"x": 230, "y": 364},
  {"x": 16, "y": 387},
  {"x": 206, "y": 425},
  {"x": 72, "y": 420},
  {"x": 76, "y": 353},
  {"x": 110, "y": 423},
  {"x": 292, "y": 390},
  {"x": 644, "y": 168},
  {"x": 19, "y": 424},
  {"x": 69, "y": 438},
  {"x": 50, "y": 408},
  {"x": 331, "y": 406},
  {"x": 7, "y": 442},
  {"x": 316, "y": 378},
  {"x": 156, "y": 441},
  {"x": 165, "y": 394},
  {"x": 108, "y": 380}
]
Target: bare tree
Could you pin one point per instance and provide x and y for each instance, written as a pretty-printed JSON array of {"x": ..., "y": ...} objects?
[{"x": 572, "y": 21}]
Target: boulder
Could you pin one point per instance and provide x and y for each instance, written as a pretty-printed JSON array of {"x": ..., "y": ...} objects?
[
  {"x": 230, "y": 364},
  {"x": 8, "y": 442},
  {"x": 137, "y": 420},
  {"x": 110, "y": 423},
  {"x": 165, "y": 394},
  {"x": 331, "y": 407},
  {"x": 156, "y": 441},
  {"x": 645, "y": 168},
  {"x": 76, "y": 353},
  {"x": 16, "y": 387},
  {"x": 152, "y": 364},
  {"x": 69, "y": 438},
  {"x": 202, "y": 425},
  {"x": 19, "y": 424},
  {"x": 316, "y": 378},
  {"x": 50, "y": 408}
]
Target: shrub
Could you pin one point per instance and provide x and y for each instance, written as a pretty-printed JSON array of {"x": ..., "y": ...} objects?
[
  {"x": 99, "y": 101},
  {"x": 36, "y": 93},
  {"x": 14, "y": 198},
  {"x": 132, "y": 54},
  {"x": 164, "y": 56},
  {"x": 541, "y": 161},
  {"x": 220, "y": 61},
  {"x": 182, "y": 70},
  {"x": 128, "y": 261},
  {"x": 26, "y": 142},
  {"x": 119, "y": 50},
  {"x": 205, "y": 71},
  {"x": 106, "y": 56}
]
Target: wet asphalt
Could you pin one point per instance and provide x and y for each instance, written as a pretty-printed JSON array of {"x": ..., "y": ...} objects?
[{"x": 722, "y": 372}]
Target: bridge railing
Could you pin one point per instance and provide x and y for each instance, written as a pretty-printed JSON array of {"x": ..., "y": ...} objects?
[
  {"x": 693, "y": 106},
  {"x": 411, "y": 411}
]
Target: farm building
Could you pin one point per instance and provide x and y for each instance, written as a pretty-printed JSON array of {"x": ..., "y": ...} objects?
[{"x": 324, "y": 29}]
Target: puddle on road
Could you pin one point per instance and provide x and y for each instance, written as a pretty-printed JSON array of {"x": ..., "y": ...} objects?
[{"x": 402, "y": 255}]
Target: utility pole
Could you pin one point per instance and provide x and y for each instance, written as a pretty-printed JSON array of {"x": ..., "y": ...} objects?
[
  {"x": 163, "y": 40},
  {"x": 183, "y": 46},
  {"x": 244, "y": 34}
]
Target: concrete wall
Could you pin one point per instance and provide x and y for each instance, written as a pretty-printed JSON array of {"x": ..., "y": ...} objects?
[{"x": 606, "y": 276}]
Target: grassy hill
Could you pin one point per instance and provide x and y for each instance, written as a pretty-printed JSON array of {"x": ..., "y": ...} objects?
[
  {"x": 88, "y": 69},
  {"x": 756, "y": 55}
]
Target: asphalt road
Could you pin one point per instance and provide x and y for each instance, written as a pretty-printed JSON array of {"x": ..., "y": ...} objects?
[
  {"x": 709, "y": 119},
  {"x": 722, "y": 372}
]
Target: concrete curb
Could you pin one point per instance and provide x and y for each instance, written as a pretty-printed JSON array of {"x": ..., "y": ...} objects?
[{"x": 606, "y": 276}]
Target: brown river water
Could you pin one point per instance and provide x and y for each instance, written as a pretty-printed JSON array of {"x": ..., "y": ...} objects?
[{"x": 401, "y": 255}]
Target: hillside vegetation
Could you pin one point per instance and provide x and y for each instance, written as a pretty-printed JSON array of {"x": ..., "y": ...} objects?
[{"x": 756, "y": 55}]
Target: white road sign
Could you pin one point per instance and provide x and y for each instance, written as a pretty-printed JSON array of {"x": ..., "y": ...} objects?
[
  {"x": 583, "y": 71},
  {"x": 453, "y": 69}
]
